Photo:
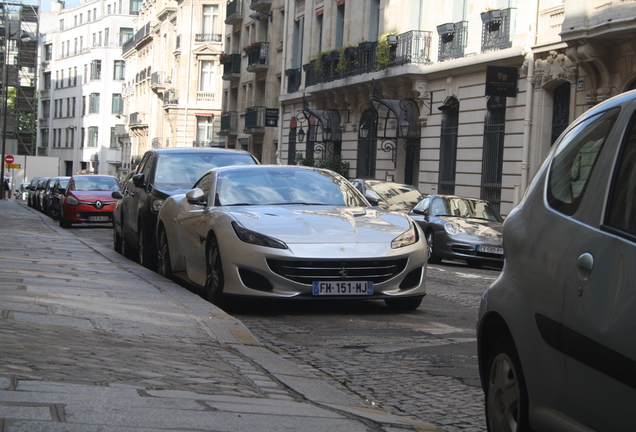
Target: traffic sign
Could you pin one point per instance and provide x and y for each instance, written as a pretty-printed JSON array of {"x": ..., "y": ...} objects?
[
  {"x": 9, "y": 159},
  {"x": 13, "y": 166}
]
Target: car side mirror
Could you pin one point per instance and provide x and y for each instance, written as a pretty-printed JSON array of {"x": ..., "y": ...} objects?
[
  {"x": 117, "y": 195},
  {"x": 139, "y": 180},
  {"x": 372, "y": 197},
  {"x": 196, "y": 196}
]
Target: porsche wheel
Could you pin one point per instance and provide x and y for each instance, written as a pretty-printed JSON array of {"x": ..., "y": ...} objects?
[
  {"x": 430, "y": 239},
  {"x": 214, "y": 279}
]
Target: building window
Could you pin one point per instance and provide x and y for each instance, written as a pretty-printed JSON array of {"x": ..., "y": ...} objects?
[
  {"x": 83, "y": 105},
  {"x": 119, "y": 70},
  {"x": 44, "y": 137},
  {"x": 492, "y": 158},
  {"x": 46, "y": 109},
  {"x": 68, "y": 107},
  {"x": 205, "y": 130},
  {"x": 48, "y": 52},
  {"x": 61, "y": 25},
  {"x": 125, "y": 33},
  {"x": 96, "y": 69},
  {"x": 448, "y": 146},
  {"x": 70, "y": 77},
  {"x": 75, "y": 76},
  {"x": 118, "y": 104},
  {"x": 74, "y": 104},
  {"x": 93, "y": 103},
  {"x": 47, "y": 80},
  {"x": 211, "y": 23},
  {"x": 106, "y": 36},
  {"x": 134, "y": 7},
  {"x": 56, "y": 103},
  {"x": 340, "y": 22},
  {"x": 114, "y": 142},
  {"x": 206, "y": 80},
  {"x": 560, "y": 110},
  {"x": 93, "y": 135},
  {"x": 367, "y": 146}
]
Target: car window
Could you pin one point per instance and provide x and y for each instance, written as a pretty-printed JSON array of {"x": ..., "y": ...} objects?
[
  {"x": 465, "y": 208},
  {"x": 204, "y": 183},
  {"x": 423, "y": 205},
  {"x": 182, "y": 170},
  {"x": 574, "y": 161},
  {"x": 622, "y": 203}
]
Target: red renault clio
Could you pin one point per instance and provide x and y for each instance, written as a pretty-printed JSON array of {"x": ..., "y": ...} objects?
[{"x": 88, "y": 199}]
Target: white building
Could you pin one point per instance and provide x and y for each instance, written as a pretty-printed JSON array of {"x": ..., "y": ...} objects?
[{"x": 81, "y": 78}]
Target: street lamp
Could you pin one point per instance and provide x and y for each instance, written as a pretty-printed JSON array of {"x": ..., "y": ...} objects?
[{"x": 364, "y": 130}]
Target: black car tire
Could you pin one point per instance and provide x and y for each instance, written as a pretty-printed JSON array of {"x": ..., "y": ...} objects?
[
  {"x": 214, "y": 270},
  {"x": 163, "y": 259},
  {"x": 144, "y": 250},
  {"x": 126, "y": 249},
  {"x": 430, "y": 242},
  {"x": 506, "y": 395},
  {"x": 64, "y": 223},
  {"x": 117, "y": 240},
  {"x": 404, "y": 303}
]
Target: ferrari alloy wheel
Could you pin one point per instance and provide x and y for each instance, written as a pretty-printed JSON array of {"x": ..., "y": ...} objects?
[
  {"x": 165, "y": 268},
  {"x": 506, "y": 396},
  {"x": 214, "y": 280}
]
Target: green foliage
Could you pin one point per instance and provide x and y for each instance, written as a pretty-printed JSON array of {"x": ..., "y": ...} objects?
[
  {"x": 333, "y": 163},
  {"x": 383, "y": 51},
  {"x": 343, "y": 61}
]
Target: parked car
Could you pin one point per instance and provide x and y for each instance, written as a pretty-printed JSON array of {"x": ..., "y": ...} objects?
[
  {"x": 556, "y": 330},
  {"x": 88, "y": 199},
  {"x": 460, "y": 228},
  {"x": 38, "y": 192},
  {"x": 23, "y": 192},
  {"x": 160, "y": 174},
  {"x": 55, "y": 197},
  {"x": 393, "y": 196},
  {"x": 45, "y": 194},
  {"x": 289, "y": 232},
  {"x": 31, "y": 188}
]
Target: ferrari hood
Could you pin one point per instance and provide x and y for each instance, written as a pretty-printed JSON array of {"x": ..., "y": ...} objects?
[{"x": 323, "y": 224}]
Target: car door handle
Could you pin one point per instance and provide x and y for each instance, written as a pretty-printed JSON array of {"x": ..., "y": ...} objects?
[{"x": 586, "y": 261}]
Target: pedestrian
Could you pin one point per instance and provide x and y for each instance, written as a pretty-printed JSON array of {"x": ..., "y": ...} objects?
[{"x": 7, "y": 188}]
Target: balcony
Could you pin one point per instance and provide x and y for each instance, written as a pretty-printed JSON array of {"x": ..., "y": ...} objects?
[
  {"x": 257, "y": 56},
  {"x": 158, "y": 81},
  {"x": 203, "y": 96},
  {"x": 234, "y": 12},
  {"x": 452, "y": 40},
  {"x": 208, "y": 37},
  {"x": 142, "y": 35},
  {"x": 156, "y": 143},
  {"x": 206, "y": 143},
  {"x": 412, "y": 47},
  {"x": 136, "y": 119},
  {"x": 170, "y": 97},
  {"x": 294, "y": 76},
  {"x": 254, "y": 120},
  {"x": 229, "y": 123},
  {"x": 496, "y": 32},
  {"x": 263, "y": 5},
  {"x": 231, "y": 66}
]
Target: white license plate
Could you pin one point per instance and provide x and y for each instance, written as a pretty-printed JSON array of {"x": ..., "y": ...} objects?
[
  {"x": 343, "y": 288},
  {"x": 491, "y": 250},
  {"x": 98, "y": 218}
]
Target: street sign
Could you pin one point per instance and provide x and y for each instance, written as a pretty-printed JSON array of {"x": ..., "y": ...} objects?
[
  {"x": 9, "y": 159},
  {"x": 13, "y": 166},
  {"x": 271, "y": 117}
]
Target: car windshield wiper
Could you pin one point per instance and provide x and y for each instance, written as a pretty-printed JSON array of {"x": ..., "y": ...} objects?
[
  {"x": 299, "y": 203},
  {"x": 240, "y": 204}
]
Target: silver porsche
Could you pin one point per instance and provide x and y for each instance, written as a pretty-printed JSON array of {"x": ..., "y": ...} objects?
[{"x": 289, "y": 232}]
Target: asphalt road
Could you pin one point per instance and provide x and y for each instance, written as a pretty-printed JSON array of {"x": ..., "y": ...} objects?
[{"x": 423, "y": 363}]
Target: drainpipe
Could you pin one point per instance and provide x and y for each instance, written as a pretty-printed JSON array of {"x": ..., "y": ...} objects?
[
  {"x": 187, "y": 98},
  {"x": 527, "y": 124},
  {"x": 279, "y": 157}
]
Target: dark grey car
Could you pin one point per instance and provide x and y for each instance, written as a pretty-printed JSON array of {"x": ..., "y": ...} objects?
[
  {"x": 161, "y": 174},
  {"x": 468, "y": 229},
  {"x": 556, "y": 330}
]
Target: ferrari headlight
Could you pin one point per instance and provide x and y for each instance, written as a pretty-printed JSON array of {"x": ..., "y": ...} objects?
[
  {"x": 255, "y": 238},
  {"x": 407, "y": 238},
  {"x": 72, "y": 201},
  {"x": 454, "y": 229}
]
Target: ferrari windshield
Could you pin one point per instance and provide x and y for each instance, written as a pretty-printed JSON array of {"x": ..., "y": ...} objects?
[
  {"x": 182, "y": 170},
  {"x": 285, "y": 185},
  {"x": 464, "y": 207}
]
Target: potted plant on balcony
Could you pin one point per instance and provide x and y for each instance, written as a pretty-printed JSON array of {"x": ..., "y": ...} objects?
[
  {"x": 347, "y": 57},
  {"x": 224, "y": 58},
  {"x": 383, "y": 51},
  {"x": 252, "y": 48}
]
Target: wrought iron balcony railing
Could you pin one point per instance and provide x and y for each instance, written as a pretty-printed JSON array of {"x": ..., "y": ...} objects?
[
  {"x": 171, "y": 98},
  {"x": 254, "y": 119},
  {"x": 496, "y": 32},
  {"x": 294, "y": 77},
  {"x": 234, "y": 12},
  {"x": 257, "y": 57},
  {"x": 231, "y": 66},
  {"x": 452, "y": 40},
  {"x": 208, "y": 37},
  {"x": 229, "y": 123}
]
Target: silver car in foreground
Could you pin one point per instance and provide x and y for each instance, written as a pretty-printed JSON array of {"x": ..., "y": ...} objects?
[
  {"x": 289, "y": 232},
  {"x": 557, "y": 330}
]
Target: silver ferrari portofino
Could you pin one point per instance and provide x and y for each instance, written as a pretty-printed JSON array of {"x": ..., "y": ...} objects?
[{"x": 289, "y": 232}]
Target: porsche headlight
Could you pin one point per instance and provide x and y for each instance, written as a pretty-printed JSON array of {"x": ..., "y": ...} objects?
[
  {"x": 72, "y": 201},
  {"x": 454, "y": 229},
  {"x": 407, "y": 238},
  {"x": 255, "y": 238},
  {"x": 156, "y": 205}
]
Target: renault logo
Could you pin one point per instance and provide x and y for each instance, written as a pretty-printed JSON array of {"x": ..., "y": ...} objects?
[{"x": 98, "y": 205}]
